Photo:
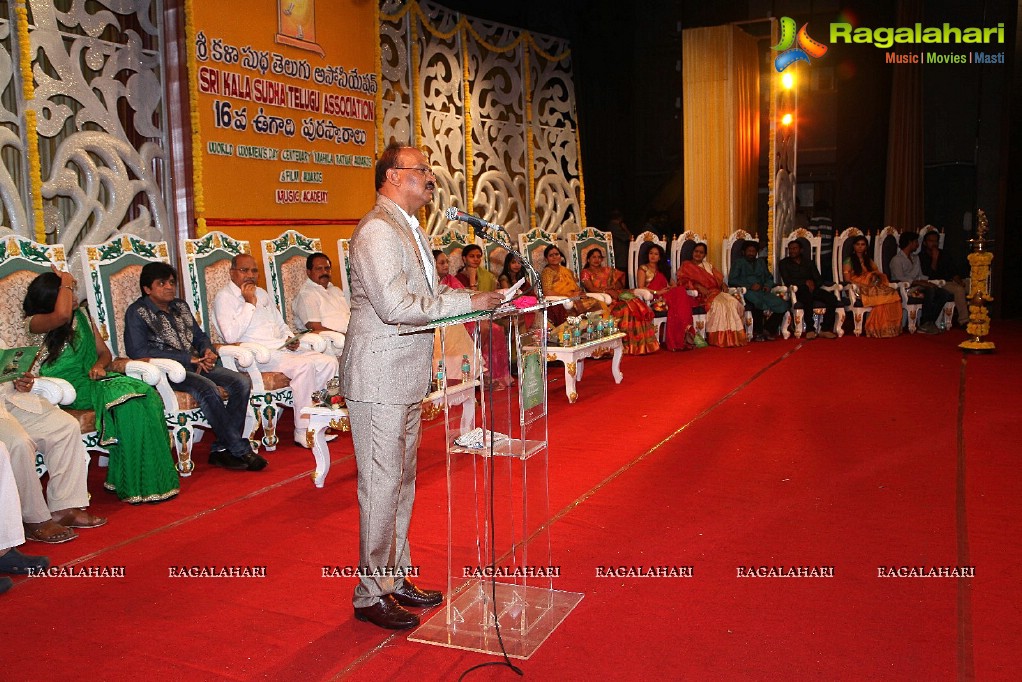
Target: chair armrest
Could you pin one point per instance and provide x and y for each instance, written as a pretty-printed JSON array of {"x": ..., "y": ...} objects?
[
  {"x": 234, "y": 357},
  {"x": 172, "y": 369},
  {"x": 567, "y": 301},
  {"x": 334, "y": 341},
  {"x": 260, "y": 352},
  {"x": 692, "y": 292},
  {"x": 54, "y": 389},
  {"x": 312, "y": 341},
  {"x": 645, "y": 294},
  {"x": 603, "y": 298},
  {"x": 147, "y": 372}
]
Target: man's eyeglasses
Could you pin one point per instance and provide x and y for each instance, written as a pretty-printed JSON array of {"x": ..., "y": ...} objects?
[
  {"x": 420, "y": 169},
  {"x": 247, "y": 271}
]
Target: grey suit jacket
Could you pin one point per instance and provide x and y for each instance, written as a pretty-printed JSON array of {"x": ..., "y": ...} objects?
[{"x": 389, "y": 288}]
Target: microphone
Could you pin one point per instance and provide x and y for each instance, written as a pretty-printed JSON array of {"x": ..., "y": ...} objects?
[{"x": 453, "y": 213}]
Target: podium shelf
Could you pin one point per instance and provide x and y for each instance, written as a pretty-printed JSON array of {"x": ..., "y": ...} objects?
[{"x": 503, "y": 447}]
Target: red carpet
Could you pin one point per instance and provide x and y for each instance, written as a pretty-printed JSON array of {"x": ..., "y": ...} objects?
[{"x": 700, "y": 459}]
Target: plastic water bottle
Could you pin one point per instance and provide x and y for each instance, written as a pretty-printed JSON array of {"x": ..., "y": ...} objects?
[
  {"x": 441, "y": 378},
  {"x": 466, "y": 369}
]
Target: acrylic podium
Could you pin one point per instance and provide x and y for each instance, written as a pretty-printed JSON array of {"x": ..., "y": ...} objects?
[{"x": 500, "y": 565}]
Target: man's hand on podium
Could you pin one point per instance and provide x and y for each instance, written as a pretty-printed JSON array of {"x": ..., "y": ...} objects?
[{"x": 486, "y": 300}]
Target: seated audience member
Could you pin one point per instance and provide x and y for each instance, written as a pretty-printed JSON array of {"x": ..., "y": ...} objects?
[
  {"x": 472, "y": 273},
  {"x": 653, "y": 274},
  {"x": 725, "y": 314},
  {"x": 884, "y": 321},
  {"x": 634, "y": 317},
  {"x": 513, "y": 271},
  {"x": 11, "y": 532},
  {"x": 498, "y": 370},
  {"x": 802, "y": 273},
  {"x": 129, "y": 412},
  {"x": 905, "y": 267},
  {"x": 751, "y": 272},
  {"x": 935, "y": 264},
  {"x": 558, "y": 280},
  {"x": 57, "y": 436},
  {"x": 243, "y": 312},
  {"x": 458, "y": 342},
  {"x": 161, "y": 325},
  {"x": 319, "y": 305}
]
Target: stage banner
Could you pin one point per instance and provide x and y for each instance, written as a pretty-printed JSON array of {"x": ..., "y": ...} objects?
[{"x": 283, "y": 109}]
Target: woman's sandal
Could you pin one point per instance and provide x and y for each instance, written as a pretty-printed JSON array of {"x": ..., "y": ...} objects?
[{"x": 49, "y": 532}]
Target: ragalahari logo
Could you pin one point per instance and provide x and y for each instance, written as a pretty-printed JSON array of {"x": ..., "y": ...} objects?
[{"x": 796, "y": 47}]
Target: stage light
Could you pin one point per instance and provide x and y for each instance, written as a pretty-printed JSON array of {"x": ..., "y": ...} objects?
[
  {"x": 786, "y": 119},
  {"x": 788, "y": 80}
]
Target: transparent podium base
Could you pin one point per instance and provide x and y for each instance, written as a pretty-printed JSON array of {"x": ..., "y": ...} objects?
[{"x": 527, "y": 616}]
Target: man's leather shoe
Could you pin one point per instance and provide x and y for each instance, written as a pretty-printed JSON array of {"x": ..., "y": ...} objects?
[
  {"x": 223, "y": 458},
  {"x": 254, "y": 462},
  {"x": 410, "y": 595},
  {"x": 17, "y": 563},
  {"x": 387, "y": 613}
]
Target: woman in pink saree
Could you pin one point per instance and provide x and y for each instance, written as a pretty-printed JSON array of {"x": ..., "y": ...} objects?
[{"x": 633, "y": 316}]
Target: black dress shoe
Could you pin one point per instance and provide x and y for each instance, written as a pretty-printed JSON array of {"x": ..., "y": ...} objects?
[
  {"x": 410, "y": 595},
  {"x": 20, "y": 564},
  {"x": 223, "y": 458},
  {"x": 254, "y": 462},
  {"x": 387, "y": 613}
]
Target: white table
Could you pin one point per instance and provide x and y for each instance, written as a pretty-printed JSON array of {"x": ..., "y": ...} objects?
[
  {"x": 321, "y": 419},
  {"x": 573, "y": 357}
]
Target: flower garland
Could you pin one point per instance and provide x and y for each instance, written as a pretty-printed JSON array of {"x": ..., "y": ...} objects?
[
  {"x": 466, "y": 84},
  {"x": 35, "y": 172},
  {"x": 198, "y": 196},
  {"x": 378, "y": 62},
  {"x": 530, "y": 153}
]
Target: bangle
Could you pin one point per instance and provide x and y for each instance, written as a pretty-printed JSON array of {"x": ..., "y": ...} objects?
[{"x": 64, "y": 286}]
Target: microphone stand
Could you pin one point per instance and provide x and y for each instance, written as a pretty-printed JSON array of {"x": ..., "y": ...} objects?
[{"x": 493, "y": 234}]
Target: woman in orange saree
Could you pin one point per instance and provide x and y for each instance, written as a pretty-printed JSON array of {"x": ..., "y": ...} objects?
[
  {"x": 725, "y": 315},
  {"x": 884, "y": 320}
]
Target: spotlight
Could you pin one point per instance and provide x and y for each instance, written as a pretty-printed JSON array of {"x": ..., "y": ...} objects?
[
  {"x": 786, "y": 119},
  {"x": 788, "y": 80}
]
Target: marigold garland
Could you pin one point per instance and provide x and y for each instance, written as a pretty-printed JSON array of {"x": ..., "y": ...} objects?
[
  {"x": 530, "y": 153},
  {"x": 469, "y": 196},
  {"x": 35, "y": 172},
  {"x": 198, "y": 196},
  {"x": 378, "y": 61}
]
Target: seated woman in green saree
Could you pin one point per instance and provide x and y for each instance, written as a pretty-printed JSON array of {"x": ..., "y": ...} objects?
[{"x": 129, "y": 412}]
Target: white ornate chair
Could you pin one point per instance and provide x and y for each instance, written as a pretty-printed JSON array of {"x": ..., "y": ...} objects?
[
  {"x": 533, "y": 243},
  {"x": 811, "y": 248},
  {"x": 884, "y": 249},
  {"x": 681, "y": 251},
  {"x": 112, "y": 272},
  {"x": 21, "y": 261},
  {"x": 732, "y": 250},
  {"x": 451, "y": 241},
  {"x": 206, "y": 265},
  {"x": 344, "y": 265},
  {"x": 284, "y": 263},
  {"x": 579, "y": 244}
]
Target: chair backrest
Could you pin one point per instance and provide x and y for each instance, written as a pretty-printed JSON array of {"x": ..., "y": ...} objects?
[
  {"x": 884, "y": 248},
  {"x": 112, "y": 270},
  {"x": 21, "y": 261},
  {"x": 451, "y": 241},
  {"x": 582, "y": 242},
  {"x": 926, "y": 230},
  {"x": 637, "y": 250},
  {"x": 206, "y": 268},
  {"x": 732, "y": 249},
  {"x": 843, "y": 250},
  {"x": 284, "y": 262},
  {"x": 811, "y": 245},
  {"x": 533, "y": 243},
  {"x": 344, "y": 265}
]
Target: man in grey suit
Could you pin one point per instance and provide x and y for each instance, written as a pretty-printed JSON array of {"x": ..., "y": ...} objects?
[{"x": 385, "y": 375}]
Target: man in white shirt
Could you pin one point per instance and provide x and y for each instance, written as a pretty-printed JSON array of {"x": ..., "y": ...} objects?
[
  {"x": 319, "y": 305},
  {"x": 243, "y": 312},
  {"x": 905, "y": 267}
]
